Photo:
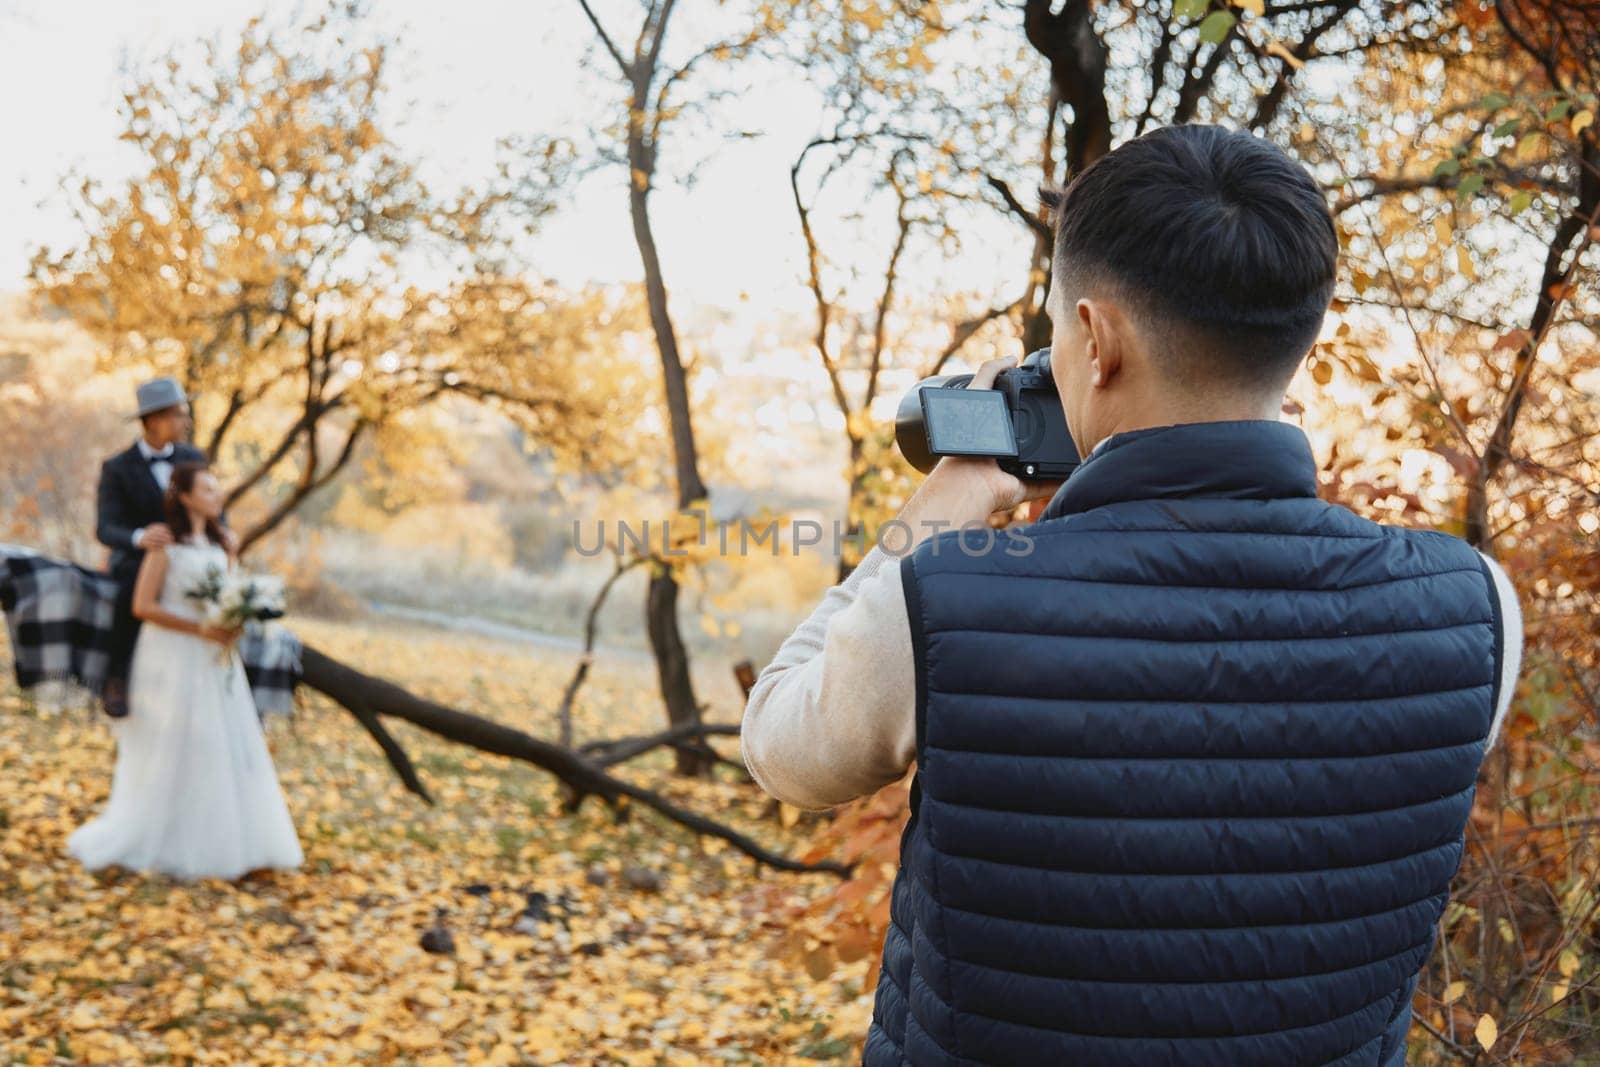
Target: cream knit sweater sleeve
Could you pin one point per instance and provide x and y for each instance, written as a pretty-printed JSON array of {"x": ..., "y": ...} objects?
[{"x": 833, "y": 716}]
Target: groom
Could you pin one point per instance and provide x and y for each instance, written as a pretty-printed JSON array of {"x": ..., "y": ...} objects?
[{"x": 129, "y": 513}]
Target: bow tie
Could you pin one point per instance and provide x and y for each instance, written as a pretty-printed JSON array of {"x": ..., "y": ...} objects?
[{"x": 160, "y": 457}]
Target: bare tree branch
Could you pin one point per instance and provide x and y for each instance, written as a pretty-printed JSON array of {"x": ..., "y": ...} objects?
[
  {"x": 609, "y": 753},
  {"x": 964, "y": 332},
  {"x": 1033, "y": 221},
  {"x": 658, "y": 31},
  {"x": 605, "y": 39},
  {"x": 310, "y": 482},
  {"x": 590, "y": 629},
  {"x": 1267, "y": 107}
]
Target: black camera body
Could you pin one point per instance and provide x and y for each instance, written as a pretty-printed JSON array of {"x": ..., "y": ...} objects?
[{"x": 1019, "y": 422}]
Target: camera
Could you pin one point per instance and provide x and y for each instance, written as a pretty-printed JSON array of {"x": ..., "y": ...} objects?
[{"x": 1019, "y": 422}]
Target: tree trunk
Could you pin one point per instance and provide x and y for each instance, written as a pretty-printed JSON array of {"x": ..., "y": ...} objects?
[
  {"x": 672, "y": 665},
  {"x": 854, "y": 508},
  {"x": 661, "y": 602},
  {"x": 1078, "y": 59},
  {"x": 690, "y": 487}
]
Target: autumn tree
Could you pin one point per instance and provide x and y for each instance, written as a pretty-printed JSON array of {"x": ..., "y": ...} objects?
[
  {"x": 262, "y": 249},
  {"x": 903, "y": 123},
  {"x": 1456, "y": 388},
  {"x": 1237, "y": 62},
  {"x": 654, "y": 85},
  {"x": 51, "y": 440},
  {"x": 1470, "y": 218},
  {"x": 263, "y": 254}
]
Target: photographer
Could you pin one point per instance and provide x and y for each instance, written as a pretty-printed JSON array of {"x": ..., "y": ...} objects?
[{"x": 1194, "y": 751}]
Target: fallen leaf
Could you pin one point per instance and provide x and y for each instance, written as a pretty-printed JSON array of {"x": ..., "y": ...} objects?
[{"x": 1487, "y": 1032}]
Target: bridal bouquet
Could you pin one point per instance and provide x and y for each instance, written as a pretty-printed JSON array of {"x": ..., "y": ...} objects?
[
  {"x": 236, "y": 600},
  {"x": 233, "y": 600},
  {"x": 249, "y": 598}
]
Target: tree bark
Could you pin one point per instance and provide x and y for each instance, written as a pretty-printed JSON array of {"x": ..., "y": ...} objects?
[
  {"x": 1077, "y": 58},
  {"x": 854, "y": 507}
]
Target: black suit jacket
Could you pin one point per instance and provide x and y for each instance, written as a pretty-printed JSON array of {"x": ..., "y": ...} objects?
[{"x": 129, "y": 499}]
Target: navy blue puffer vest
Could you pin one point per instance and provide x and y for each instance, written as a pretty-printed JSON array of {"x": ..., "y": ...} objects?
[{"x": 1195, "y": 754}]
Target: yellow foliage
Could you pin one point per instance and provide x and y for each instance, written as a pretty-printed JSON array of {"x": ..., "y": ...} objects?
[
  {"x": 255, "y": 251},
  {"x": 323, "y": 964}
]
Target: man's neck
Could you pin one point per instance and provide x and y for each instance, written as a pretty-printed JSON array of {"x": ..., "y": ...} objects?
[
  {"x": 153, "y": 444},
  {"x": 1153, "y": 415}
]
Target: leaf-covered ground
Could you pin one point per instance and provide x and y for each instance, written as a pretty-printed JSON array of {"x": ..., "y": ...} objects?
[{"x": 324, "y": 965}]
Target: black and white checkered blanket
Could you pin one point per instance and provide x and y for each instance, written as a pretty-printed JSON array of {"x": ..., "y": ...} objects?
[{"x": 59, "y": 617}]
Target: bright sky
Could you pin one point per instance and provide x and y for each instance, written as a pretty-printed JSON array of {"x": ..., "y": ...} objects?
[
  {"x": 475, "y": 70},
  {"x": 469, "y": 72}
]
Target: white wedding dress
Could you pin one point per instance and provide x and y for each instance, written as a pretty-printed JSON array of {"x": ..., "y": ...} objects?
[{"x": 194, "y": 793}]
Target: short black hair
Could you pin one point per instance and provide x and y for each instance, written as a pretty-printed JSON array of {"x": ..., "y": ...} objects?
[{"x": 1221, "y": 245}]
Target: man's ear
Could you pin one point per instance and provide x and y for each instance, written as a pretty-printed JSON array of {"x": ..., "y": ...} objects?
[{"x": 1104, "y": 345}]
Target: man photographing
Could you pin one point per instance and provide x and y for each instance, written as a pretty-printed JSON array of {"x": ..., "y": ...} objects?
[{"x": 1194, "y": 751}]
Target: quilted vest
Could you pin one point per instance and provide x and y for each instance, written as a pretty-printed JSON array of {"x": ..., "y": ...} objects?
[{"x": 1195, "y": 755}]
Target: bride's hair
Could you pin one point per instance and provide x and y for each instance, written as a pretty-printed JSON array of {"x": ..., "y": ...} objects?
[{"x": 183, "y": 476}]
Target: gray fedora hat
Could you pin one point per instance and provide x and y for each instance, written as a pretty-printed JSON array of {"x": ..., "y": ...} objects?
[{"x": 159, "y": 393}]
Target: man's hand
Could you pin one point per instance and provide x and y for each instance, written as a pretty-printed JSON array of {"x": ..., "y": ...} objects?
[
  {"x": 156, "y": 535},
  {"x": 962, "y": 490},
  {"x": 977, "y": 477}
]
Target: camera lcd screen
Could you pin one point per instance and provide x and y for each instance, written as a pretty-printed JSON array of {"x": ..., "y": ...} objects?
[{"x": 964, "y": 422}]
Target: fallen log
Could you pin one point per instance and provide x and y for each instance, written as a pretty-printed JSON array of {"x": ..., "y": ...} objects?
[{"x": 367, "y": 697}]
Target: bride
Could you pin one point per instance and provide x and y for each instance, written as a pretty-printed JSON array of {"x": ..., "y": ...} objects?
[{"x": 194, "y": 793}]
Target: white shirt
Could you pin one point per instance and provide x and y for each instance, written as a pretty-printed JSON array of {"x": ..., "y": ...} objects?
[
  {"x": 833, "y": 716},
  {"x": 161, "y": 467}
]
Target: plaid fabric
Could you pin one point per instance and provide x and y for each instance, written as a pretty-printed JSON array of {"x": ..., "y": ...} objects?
[
  {"x": 271, "y": 655},
  {"x": 59, "y": 616}
]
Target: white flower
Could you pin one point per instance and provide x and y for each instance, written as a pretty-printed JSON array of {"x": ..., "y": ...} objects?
[
  {"x": 269, "y": 592},
  {"x": 233, "y": 598},
  {"x": 245, "y": 598}
]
